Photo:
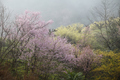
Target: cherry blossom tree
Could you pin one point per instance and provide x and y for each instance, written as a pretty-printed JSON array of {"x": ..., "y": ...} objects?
[{"x": 43, "y": 51}]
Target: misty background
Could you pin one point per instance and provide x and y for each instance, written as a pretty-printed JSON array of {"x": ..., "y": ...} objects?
[{"x": 62, "y": 12}]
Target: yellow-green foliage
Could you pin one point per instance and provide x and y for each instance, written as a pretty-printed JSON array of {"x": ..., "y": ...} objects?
[
  {"x": 71, "y": 32},
  {"x": 98, "y": 30},
  {"x": 109, "y": 68},
  {"x": 94, "y": 28},
  {"x": 78, "y": 34}
]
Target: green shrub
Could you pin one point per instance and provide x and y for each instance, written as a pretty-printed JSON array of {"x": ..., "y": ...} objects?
[{"x": 75, "y": 76}]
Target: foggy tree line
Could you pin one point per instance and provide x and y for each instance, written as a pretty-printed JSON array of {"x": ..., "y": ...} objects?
[{"x": 29, "y": 50}]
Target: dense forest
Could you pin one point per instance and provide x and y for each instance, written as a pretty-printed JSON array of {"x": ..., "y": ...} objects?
[{"x": 29, "y": 50}]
